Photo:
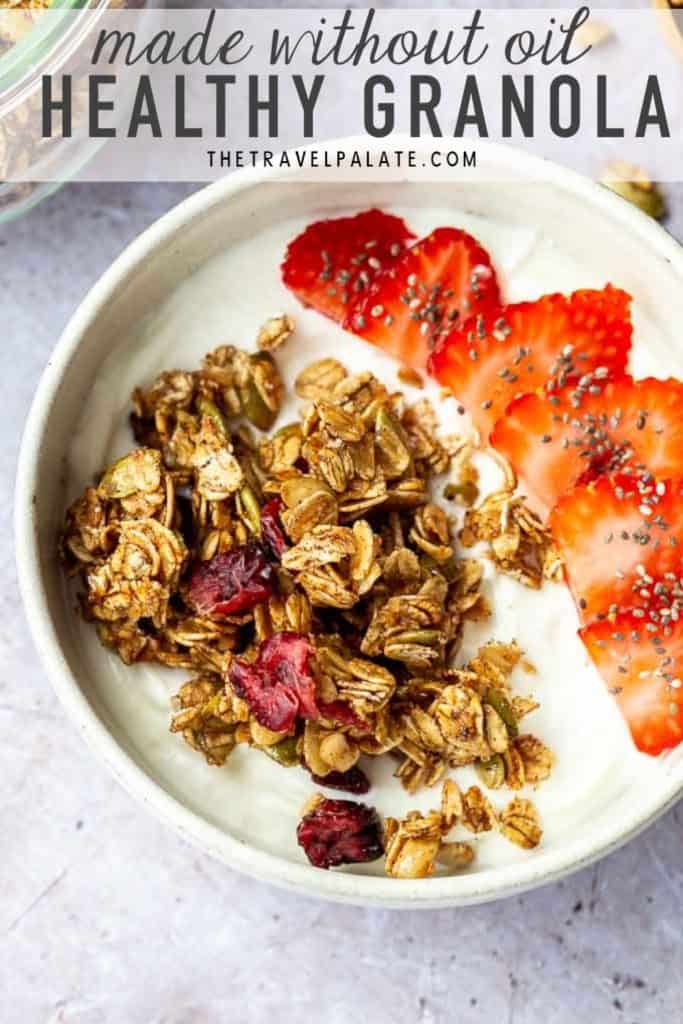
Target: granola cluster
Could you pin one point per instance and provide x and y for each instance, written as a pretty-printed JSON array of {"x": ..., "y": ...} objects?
[
  {"x": 416, "y": 844},
  {"x": 22, "y": 143},
  {"x": 17, "y": 18},
  {"x": 315, "y": 592},
  {"x": 518, "y": 543}
]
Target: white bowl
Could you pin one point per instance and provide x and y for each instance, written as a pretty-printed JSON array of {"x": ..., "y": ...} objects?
[{"x": 608, "y": 236}]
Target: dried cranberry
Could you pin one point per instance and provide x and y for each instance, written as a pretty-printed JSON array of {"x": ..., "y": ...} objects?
[
  {"x": 233, "y": 582},
  {"x": 279, "y": 686},
  {"x": 352, "y": 781},
  {"x": 271, "y": 529},
  {"x": 144, "y": 430},
  {"x": 340, "y": 832},
  {"x": 342, "y": 713}
]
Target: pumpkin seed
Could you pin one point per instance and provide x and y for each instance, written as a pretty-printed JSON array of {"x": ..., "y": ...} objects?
[
  {"x": 284, "y": 752},
  {"x": 248, "y": 509},
  {"x": 492, "y": 771},
  {"x": 254, "y": 408},
  {"x": 261, "y": 393},
  {"x": 140, "y": 470},
  {"x": 501, "y": 704},
  {"x": 209, "y": 409},
  {"x": 423, "y": 637}
]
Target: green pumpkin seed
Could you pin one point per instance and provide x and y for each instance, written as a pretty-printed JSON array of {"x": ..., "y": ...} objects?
[
  {"x": 254, "y": 408},
  {"x": 448, "y": 569},
  {"x": 284, "y": 752},
  {"x": 249, "y": 510},
  {"x": 423, "y": 637},
  {"x": 140, "y": 470},
  {"x": 502, "y": 705},
  {"x": 261, "y": 394},
  {"x": 209, "y": 409},
  {"x": 492, "y": 771}
]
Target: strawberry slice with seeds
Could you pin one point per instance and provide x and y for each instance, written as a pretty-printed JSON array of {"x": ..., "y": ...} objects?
[
  {"x": 527, "y": 346},
  {"x": 643, "y": 668},
  {"x": 443, "y": 278},
  {"x": 621, "y": 425},
  {"x": 334, "y": 261},
  {"x": 622, "y": 545}
]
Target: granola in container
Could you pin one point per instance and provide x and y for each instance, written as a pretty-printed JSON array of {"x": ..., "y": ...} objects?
[
  {"x": 17, "y": 18},
  {"x": 34, "y": 43},
  {"x": 314, "y": 585}
]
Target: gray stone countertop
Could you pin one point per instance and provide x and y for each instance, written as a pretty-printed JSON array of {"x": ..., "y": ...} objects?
[{"x": 106, "y": 917}]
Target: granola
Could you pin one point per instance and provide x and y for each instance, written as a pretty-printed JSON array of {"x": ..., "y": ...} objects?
[
  {"x": 518, "y": 543},
  {"x": 520, "y": 824},
  {"x": 312, "y": 585},
  {"x": 17, "y": 18},
  {"x": 417, "y": 845}
]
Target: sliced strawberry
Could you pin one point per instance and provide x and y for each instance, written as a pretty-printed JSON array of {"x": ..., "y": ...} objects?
[
  {"x": 575, "y": 435},
  {"x": 531, "y": 345},
  {"x": 444, "y": 277},
  {"x": 332, "y": 262},
  {"x": 622, "y": 544},
  {"x": 643, "y": 669}
]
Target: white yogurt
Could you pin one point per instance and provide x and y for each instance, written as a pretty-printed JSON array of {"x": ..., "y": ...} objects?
[{"x": 251, "y": 797}]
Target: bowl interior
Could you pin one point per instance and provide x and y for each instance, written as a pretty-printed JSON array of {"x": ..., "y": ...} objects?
[{"x": 162, "y": 289}]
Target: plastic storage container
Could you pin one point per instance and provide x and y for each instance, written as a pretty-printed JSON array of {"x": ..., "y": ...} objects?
[{"x": 34, "y": 43}]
